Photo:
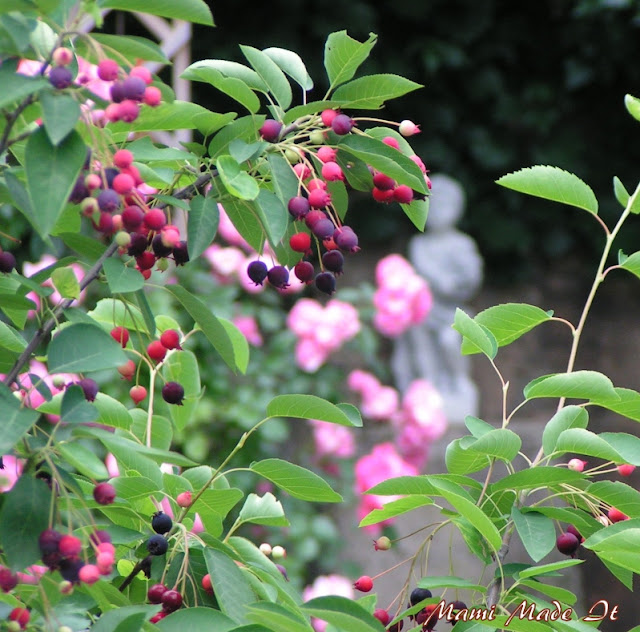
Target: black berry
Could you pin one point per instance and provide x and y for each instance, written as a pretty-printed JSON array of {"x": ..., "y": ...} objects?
[
  {"x": 70, "y": 567},
  {"x": 159, "y": 249},
  {"x": 109, "y": 201},
  {"x": 326, "y": 282},
  {"x": 278, "y": 276},
  {"x": 48, "y": 541},
  {"x": 157, "y": 545},
  {"x": 7, "y": 262},
  {"x": 181, "y": 253},
  {"x": 257, "y": 271},
  {"x": 333, "y": 260},
  {"x": 60, "y": 77},
  {"x": 138, "y": 244},
  {"x": 117, "y": 92},
  {"x": 173, "y": 393},
  {"x": 79, "y": 191},
  {"x": 418, "y": 594},
  {"x": 161, "y": 522}
]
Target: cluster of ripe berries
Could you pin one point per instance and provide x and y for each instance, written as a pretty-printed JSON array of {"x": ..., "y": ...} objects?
[
  {"x": 172, "y": 392},
  {"x": 426, "y": 617},
  {"x": 128, "y": 91},
  {"x": 109, "y": 197},
  {"x": 313, "y": 206}
]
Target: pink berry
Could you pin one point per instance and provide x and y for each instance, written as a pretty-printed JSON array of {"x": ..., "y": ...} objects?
[
  {"x": 104, "y": 493},
  {"x": 327, "y": 116},
  {"x": 319, "y": 199},
  {"x": 106, "y": 547},
  {"x": 89, "y": 574},
  {"x": 332, "y": 171},
  {"x": 316, "y": 183},
  {"x": 170, "y": 236},
  {"x": 129, "y": 111},
  {"x": 170, "y": 339},
  {"x": 137, "y": 394},
  {"x": 403, "y": 194},
  {"x": 62, "y": 56},
  {"x": 382, "y": 615},
  {"x": 155, "y": 219},
  {"x": 184, "y": 499},
  {"x": 108, "y": 70},
  {"x": 383, "y": 182},
  {"x": 382, "y": 196},
  {"x": 577, "y": 465},
  {"x": 152, "y": 96},
  {"x": 626, "y": 469},
  {"x": 122, "y": 158},
  {"x": 142, "y": 73},
  {"x": 419, "y": 162},
  {"x": 302, "y": 171},
  {"x": 363, "y": 584},
  {"x": 93, "y": 182},
  {"x": 270, "y": 130},
  {"x": 206, "y": 584},
  {"x": 69, "y": 546},
  {"x": 123, "y": 183},
  {"x": 391, "y": 142},
  {"x": 327, "y": 154},
  {"x": 112, "y": 112},
  {"x": 408, "y": 128}
]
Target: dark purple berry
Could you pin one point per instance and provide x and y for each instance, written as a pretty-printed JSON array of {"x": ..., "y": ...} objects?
[
  {"x": 270, "y": 130},
  {"x": 159, "y": 249},
  {"x": 298, "y": 206},
  {"x": 133, "y": 88},
  {"x": 8, "y": 579},
  {"x": 110, "y": 174},
  {"x": 342, "y": 124},
  {"x": 574, "y": 531},
  {"x": 283, "y": 571},
  {"x": 7, "y": 262},
  {"x": 181, "y": 253},
  {"x": 79, "y": 191},
  {"x": 419, "y": 594},
  {"x": 154, "y": 594},
  {"x": 304, "y": 271},
  {"x": 60, "y": 77},
  {"x": 52, "y": 560},
  {"x": 100, "y": 536},
  {"x": 89, "y": 388},
  {"x": 157, "y": 545},
  {"x": 278, "y": 276},
  {"x": 138, "y": 244},
  {"x": 326, "y": 282},
  {"x": 104, "y": 493},
  {"x": 333, "y": 260},
  {"x": 109, "y": 201},
  {"x": 171, "y": 600},
  {"x": 173, "y": 393},
  {"x": 48, "y": 541},
  {"x": 161, "y": 522},
  {"x": 568, "y": 544},
  {"x": 257, "y": 271},
  {"x": 117, "y": 92},
  {"x": 132, "y": 218},
  {"x": 346, "y": 239},
  {"x": 69, "y": 568},
  {"x": 323, "y": 228}
]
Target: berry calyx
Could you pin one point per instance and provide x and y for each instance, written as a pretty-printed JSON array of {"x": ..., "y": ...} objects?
[
  {"x": 278, "y": 276},
  {"x": 154, "y": 594},
  {"x": 257, "y": 271},
  {"x": 121, "y": 335},
  {"x": 161, "y": 522},
  {"x": 184, "y": 499},
  {"x": 270, "y": 130},
  {"x": 363, "y": 584},
  {"x": 170, "y": 339},
  {"x": 104, "y": 493},
  {"x": 171, "y": 600},
  {"x": 568, "y": 544},
  {"x": 173, "y": 393},
  {"x": 157, "y": 545},
  {"x": 137, "y": 393}
]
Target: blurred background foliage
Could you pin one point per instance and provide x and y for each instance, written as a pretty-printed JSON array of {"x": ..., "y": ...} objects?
[{"x": 507, "y": 85}]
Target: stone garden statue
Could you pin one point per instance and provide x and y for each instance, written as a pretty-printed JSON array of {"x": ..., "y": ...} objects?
[{"x": 450, "y": 263}]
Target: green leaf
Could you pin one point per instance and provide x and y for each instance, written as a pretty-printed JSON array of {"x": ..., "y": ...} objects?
[
  {"x": 60, "y": 113},
  {"x": 11, "y": 339},
  {"x": 576, "y": 385},
  {"x": 471, "y": 512},
  {"x": 552, "y": 183},
  {"x": 296, "y": 481},
  {"x": 16, "y": 421},
  {"x": 230, "y": 585},
  {"x": 277, "y": 617},
  {"x": 395, "y": 508},
  {"x": 237, "y": 181},
  {"x": 81, "y": 347},
  {"x": 477, "y": 427},
  {"x": 265, "y": 510},
  {"x": 507, "y": 323},
  {"x": 460, "y": 460},
  {"x": 66, "y": 282},
  {"x": 386, "y": 159},
  {"x": 123, "y": 619},
  {"x": 245, "y": 217},
  {"x": 343, "y": 55},
  {"x": 111, "y": 312},
  {"x": 403, "y": 485},
  {"x": 313, "y": 407},
  {"x": 339, "y": 197},
  {"x": 225, "y": 337},
  {"x": 270, "y": 74},
  {"x": 343, "y": 613},
  {"x": 500, "y": 443},
  {"x": 545, "y": 569},
  {"x": 182, "y": 367},
  {"x": 88, "y": 247},
  {"x": 231, "y": 86},
  {"x": 291, "y": 64},
  {"x": 24, "y": 515},
  {"x": 447, "y": 581},
  {"x": 195, "y": 11},
  {"x": 585, "y": 442},
  {"x": 630, "y": 263},
  {"x": 202, "y": 224},
  {"x": 626, "y": 403},
  {"x": 196, "y": 619},
  {"x": 51, "y": 174},
  {"x": 370, "y": 92},
  {"x": 16, "y": 87},
  {"x": 620, "y": 548},
  {"x": 555, "y": 592},
  {"x": 619, "y": 495},
  {"x": 417, "y": 211},
  {"x": 273, "y": 215},
  {"x": 621, "y": 193},
  {"x": 536, "y": 531},
  {"x": 241, "y": 151},
  {"x": 539, "y": 476},
  {"x": 219, "y": 501},
  {"x": 478, "y": 336},
  {"x": 567, "y": 417},
  {"x": 121, "y": 278},
  {"x": 75, "y": 409},
  {"x": 130, "y": 46},
  {"x": 233, "y": 69},
  {"x": 244, "y": 128},
  {"x": 84, "y": 460},
  {"x": 633, "y": 106}
]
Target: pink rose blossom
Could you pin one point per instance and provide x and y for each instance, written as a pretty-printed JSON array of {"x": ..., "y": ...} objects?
[
  {"x": 326, "y": 585},
  {"x": 249, "y": 329},
  {"x": 225, "y": 262},
  {"x": 381, "y": 404},
  {"x": 332, "y": 440},
  {"x": 362, "y": 382},
  {"x": 29, "y": 269},
  {"x": 11, "y": 472},
  {"x": 229, "y": 232},
  {"x": 112, "y": 465}
]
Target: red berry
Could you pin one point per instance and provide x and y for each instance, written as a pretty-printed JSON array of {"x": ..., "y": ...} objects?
[
  {"x": 155, "y": 219},
  {"x": 104, "y": 493},
  {"x": 146, "y": 261},
  {"x": 156, "y": 350},
  {"x": 382, "y": 615},
  {"x": 8, "y": 579},
  {"x": 89, "y": 574},
  {"x": 122, "y": 158},
  {"x": 108, "y": 70},
  {"x": 184, "y": 499},
  {"x": 574, "y": 531},
  {"x": 69, "y": 546},
  {"x": 170, "y": 339},
  {"x": 318, "y": 198},
  {"x": 383, "y": 182},
  {"x": 121, "y": 335},
  {"x": 363, "y": 584},
  {"x": 123, "y": 183},
  {"x": 138, "y": 393},
  {"x": 626, "y": 469},
  {"x": 171, "y": 600},
  {"x": 270, "y": 130},
  {"x": 403, "y": 194},
  {"x": 206, "y": 584},
  {"x": 568, "y": 544},
  {"x": 300, "y": 242},
  {"x": 302, "y": 171},
  {"x": 173, "y": 393},
  {"x": 158, "y": 616},
  {"x": 155, "y": 593},
  {"x": 615, "y": 515},
  {"x": 20, "y": 616}
]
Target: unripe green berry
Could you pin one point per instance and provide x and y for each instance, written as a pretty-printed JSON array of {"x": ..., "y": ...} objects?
[
  {"x": 317, "y": 137},
  {"x": 278, "y": 552},
  {"x": 292, "y": 156},
  {"x": 123, "y": 239}
]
